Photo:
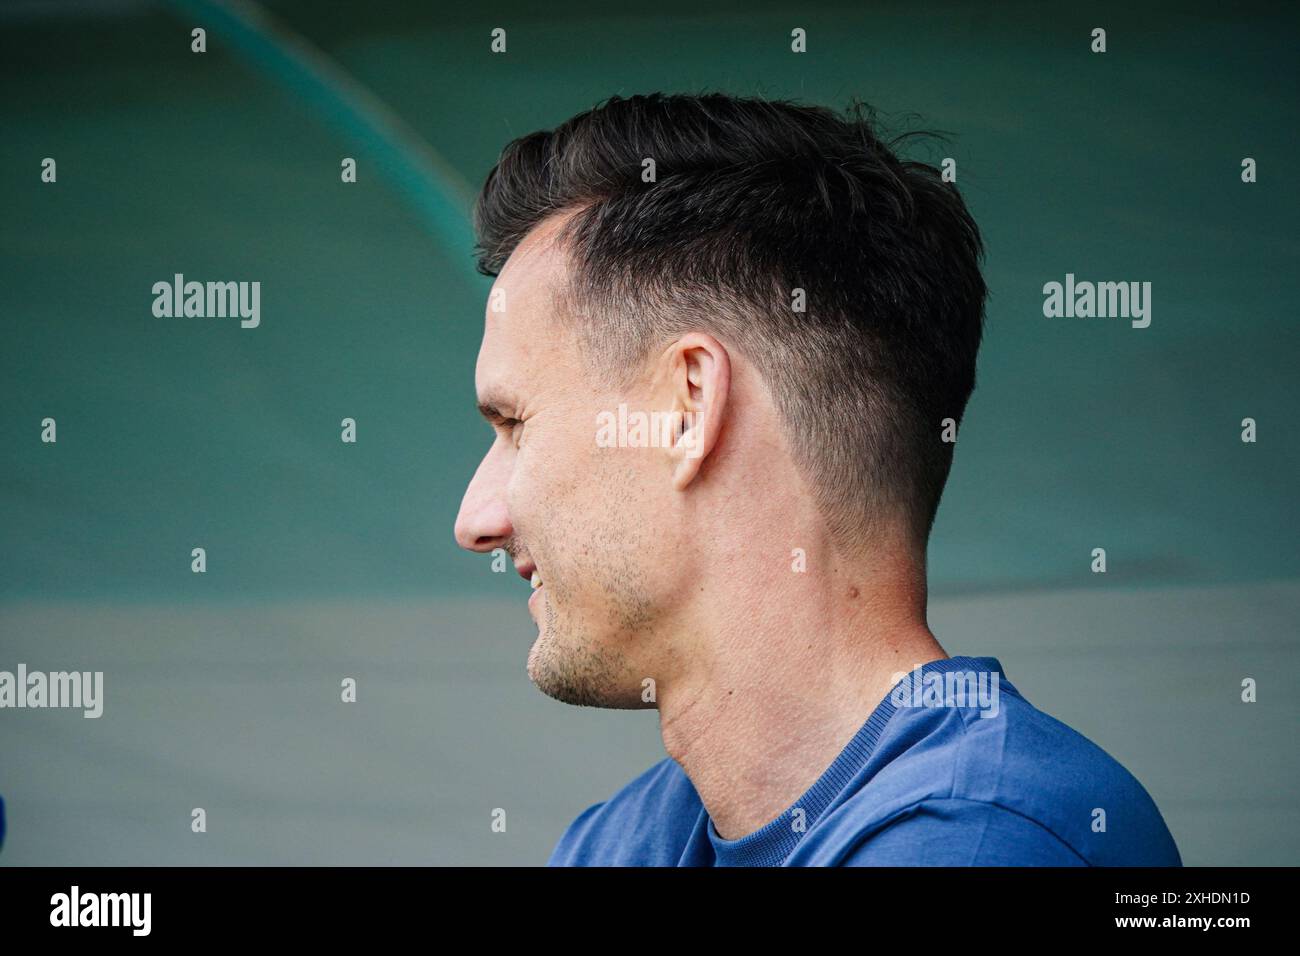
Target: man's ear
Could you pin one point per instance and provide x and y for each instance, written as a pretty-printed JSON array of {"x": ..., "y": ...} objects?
[{"x": 700, "y": 378}]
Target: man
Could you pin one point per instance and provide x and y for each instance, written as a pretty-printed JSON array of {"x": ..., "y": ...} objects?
[{"x": 727, "y": 348}]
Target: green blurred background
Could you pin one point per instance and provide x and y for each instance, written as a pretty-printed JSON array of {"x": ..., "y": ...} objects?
[{"x": 328, "y": 560}]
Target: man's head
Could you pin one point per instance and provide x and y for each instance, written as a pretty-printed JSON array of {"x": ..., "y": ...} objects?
[{"x": 793, "y": 309}]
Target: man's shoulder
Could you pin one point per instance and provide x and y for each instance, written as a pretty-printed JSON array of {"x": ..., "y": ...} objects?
[
  {"x": 646, "y": 823},
  {"x": 1069, "y": 785},
  {"x": 1017, "y": 788}
]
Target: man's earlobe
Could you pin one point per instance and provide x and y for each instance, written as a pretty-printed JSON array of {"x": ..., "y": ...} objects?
[{"x": 690, "y": 436}]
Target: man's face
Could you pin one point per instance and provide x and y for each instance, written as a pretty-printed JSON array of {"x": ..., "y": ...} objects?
[{"x": 581, "y": 515}]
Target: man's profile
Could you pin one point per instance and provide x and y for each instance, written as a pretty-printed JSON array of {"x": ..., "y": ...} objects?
[{"x": 727, "y": 349}]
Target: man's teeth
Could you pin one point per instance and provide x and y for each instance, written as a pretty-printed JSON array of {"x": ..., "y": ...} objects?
[{"x": 536, "y": 581}]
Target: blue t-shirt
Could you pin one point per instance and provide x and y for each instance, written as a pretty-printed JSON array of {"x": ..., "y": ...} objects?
[{"x": 954, "y": 768}]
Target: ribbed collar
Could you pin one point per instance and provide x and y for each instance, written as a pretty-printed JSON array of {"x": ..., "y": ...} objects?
[{"x": 772, "y": 843}]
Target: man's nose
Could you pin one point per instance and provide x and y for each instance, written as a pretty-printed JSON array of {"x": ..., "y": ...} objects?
[{"x": 484, "y": 520}]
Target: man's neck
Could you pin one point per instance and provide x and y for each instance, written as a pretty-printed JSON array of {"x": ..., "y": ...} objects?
[{"x": 776, "y": 690}]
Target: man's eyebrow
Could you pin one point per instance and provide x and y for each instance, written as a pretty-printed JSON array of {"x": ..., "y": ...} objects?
[
  {"x": 491, "y": 405},
  {"x": 491, "y": 413}
]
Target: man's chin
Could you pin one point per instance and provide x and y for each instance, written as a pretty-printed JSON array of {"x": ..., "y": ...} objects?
[{"x": 578, "y": 676}]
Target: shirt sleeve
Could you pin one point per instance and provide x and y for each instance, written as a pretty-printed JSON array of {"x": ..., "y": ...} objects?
[{"x": 955, "y": 832}]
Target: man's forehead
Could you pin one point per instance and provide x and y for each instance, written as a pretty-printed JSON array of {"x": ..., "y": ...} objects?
[
  {"x": 498, "y": 381},
  {"x": 524, "y": 289},
  {"x": 539, "y": 255},
  {"x": 518, "y": 325}
]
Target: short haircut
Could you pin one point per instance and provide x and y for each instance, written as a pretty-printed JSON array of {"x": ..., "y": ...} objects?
[{"x": 751, "y": 200}]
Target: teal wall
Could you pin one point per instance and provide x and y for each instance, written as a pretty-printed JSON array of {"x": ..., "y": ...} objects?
[{"x": 172, "y": 431}]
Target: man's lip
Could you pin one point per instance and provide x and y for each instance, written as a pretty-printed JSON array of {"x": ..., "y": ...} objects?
[{"x": 526, "y": 570}]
